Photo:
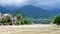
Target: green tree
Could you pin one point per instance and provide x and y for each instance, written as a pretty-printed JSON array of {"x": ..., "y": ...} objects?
[
  {"x": 2, "y": 21},
  {"x": 19, "y": 16},
  {"x": 57, "y": 19},
  {"x": 20, "y": 19},
  {"x": 27, "y": 21},
  {"x": 6, "y": 20}
]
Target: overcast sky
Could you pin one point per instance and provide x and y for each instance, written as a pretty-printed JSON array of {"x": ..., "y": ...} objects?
[{"x": 38, "y": 3}]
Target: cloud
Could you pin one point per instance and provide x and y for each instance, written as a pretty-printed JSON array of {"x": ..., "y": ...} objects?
[
  {"x": 38, "y": 3},
  {"x": 14, "y": 2},
  {"x": 46, "y": 3}
]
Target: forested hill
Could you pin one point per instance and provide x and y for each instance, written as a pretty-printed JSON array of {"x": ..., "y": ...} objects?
[
  {"x": 29, "y": 11},
  {"x": 3, "y": 10},
  {"x": 33, "y": 12}
]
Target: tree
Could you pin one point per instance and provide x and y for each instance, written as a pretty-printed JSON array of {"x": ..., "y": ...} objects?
[
  {"x": 27, "y": 21},
  {"x": 19, "y": 16},
  {"x": 2, "y": 21},
  {"x": 57, "y": 19},
  {"x": 20, "y": 20},
  {"x": 6, "y": 20}
]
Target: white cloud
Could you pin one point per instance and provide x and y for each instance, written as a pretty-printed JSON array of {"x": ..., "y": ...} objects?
[
  {"x": 46, "y": 3},
  {"x": 14, "y": 2},
  {"x": 38, "y": 3}
]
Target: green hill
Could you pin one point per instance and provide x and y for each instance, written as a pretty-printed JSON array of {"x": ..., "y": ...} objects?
[{"x": 33, "y": 12}]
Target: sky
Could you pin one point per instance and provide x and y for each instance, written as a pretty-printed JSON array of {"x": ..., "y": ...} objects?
[
  {"x": 14, "y": 2},
  {"x": 38, "y": 3}
]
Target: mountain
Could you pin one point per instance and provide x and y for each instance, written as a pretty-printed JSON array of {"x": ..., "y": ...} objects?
[
  {"x": 3, "y": 10},
  {"x": 7, "y": 9},
  {"x": 56, "y": 10},
  {"x": 33, "y": 12},
  {"x": 30, "y": 11}
]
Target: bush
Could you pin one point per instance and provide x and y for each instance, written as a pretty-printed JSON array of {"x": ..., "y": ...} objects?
[
  {"x": 27, "y": 21},
  {"x": 21, "y": 20},
  {"x": 57, "y": 19}
]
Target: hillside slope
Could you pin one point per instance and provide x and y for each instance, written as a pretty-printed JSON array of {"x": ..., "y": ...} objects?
[
  {"x": 29, "y": 11},
  {"x": 33, "y": 12}
]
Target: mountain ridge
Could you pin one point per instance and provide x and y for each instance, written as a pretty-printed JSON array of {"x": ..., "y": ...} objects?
[
  {"x": 33, "y": 12},
  {"x": 30, "y": 11}
]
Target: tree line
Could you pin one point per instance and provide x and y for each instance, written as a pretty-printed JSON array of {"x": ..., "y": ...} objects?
[
  {"x": 20, "y": 20},
  {"x": 53, "y": 20}
]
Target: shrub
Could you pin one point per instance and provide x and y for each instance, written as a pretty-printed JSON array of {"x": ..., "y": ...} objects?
[
  {"x": 21, "y": 20},
  {"x": 57, "y": 19}
]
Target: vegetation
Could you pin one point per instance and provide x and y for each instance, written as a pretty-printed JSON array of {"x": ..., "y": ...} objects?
[
  {"x": 57, "y": 19},
  {"x": 6, "y": 21},
  {"x": 20, "y": 20},
  {"x": 30, "y": 12},
  {"x": 47, "y": 21}
]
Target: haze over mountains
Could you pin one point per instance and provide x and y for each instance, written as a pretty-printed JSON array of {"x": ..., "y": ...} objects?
[{"x": 30, "y": 11}]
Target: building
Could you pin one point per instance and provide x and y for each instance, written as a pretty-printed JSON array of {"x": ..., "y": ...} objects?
[
  {"x": 7, "y": 14},
  {"x": 4, "y": 15}
]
